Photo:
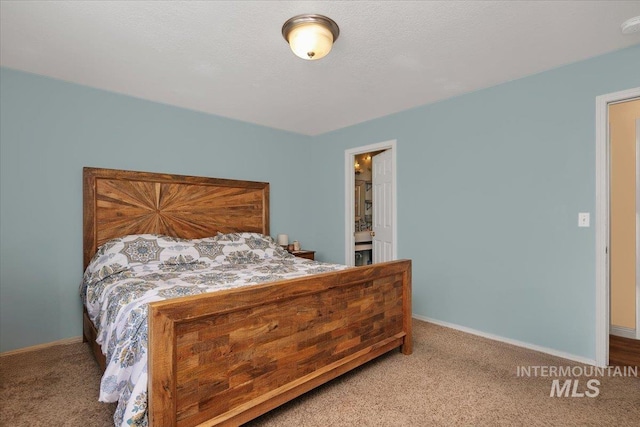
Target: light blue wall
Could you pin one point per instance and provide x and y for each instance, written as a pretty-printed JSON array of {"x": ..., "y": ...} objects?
[
  {"x": 51, "y": 129},
  {"x": 489, "y": 189}
]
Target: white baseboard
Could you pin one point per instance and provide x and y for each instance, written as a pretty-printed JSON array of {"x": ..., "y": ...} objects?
[
  {"x": 622, "y": 331},
  {"x": 517, "y": 343},
  {"x": 66, "y": 341}
]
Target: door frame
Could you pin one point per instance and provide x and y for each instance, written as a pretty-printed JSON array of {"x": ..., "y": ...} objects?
[
  {"x": 602, "y": 219},
  {"x": 637, "y": 229},
  {"x": 349, "y": 191}
]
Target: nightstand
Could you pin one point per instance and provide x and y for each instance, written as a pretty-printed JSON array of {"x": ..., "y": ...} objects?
[{"x": 304, "y": 254}]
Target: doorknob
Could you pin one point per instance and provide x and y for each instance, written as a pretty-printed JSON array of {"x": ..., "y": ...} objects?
[{"x": 373, "y": 233}]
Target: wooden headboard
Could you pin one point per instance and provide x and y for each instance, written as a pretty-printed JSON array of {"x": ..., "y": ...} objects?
[{"x": 118, "y": 203}]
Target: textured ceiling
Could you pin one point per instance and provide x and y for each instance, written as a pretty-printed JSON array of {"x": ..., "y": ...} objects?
[{"x": 229, "y": 58}]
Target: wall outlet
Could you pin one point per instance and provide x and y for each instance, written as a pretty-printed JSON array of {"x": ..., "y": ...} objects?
[{"x": 583, "y": 219}]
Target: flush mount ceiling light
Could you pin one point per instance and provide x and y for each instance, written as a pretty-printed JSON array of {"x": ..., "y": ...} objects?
[
  {"x": 631, "y": 25},
  {"x": 310, "y": 36}
]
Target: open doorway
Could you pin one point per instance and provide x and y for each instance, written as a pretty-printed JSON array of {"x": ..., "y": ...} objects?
[
  {"x": 603, "y": 223},
  {"x": 364, "y": 170},
  {"x": 360, "y": 208}
]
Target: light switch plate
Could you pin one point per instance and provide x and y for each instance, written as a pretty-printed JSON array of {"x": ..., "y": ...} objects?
[{"x": 583, "y": 219}]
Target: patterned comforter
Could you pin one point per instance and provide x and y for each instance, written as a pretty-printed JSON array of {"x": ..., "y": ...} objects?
[{"x": 128, "y": 273}]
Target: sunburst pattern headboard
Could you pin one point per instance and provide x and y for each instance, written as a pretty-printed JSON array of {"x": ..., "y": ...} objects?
[{"x": 118, "y": 203}]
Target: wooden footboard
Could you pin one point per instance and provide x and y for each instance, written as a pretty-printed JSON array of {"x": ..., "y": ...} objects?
[{"x": 228, "y": 357}]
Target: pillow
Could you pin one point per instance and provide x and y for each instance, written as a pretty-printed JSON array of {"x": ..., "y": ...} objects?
[
  {"x": 123, "y": 253},
  {"x": 248, "y": 248}
]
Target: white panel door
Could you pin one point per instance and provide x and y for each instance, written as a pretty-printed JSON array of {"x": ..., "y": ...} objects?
[{"x": 382, "y": 199}]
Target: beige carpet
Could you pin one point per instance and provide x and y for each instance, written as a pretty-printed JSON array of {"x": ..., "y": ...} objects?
[{"x": 451, "y": 379}]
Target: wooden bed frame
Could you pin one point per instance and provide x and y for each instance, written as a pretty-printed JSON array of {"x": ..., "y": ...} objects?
[{"x": 227, "y": 357}]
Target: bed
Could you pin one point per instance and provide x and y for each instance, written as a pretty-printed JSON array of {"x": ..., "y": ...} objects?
[{"x": 300, "y": 333}]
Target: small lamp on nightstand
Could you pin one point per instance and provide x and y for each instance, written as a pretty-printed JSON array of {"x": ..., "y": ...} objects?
[{"x": 283, "y": 240}]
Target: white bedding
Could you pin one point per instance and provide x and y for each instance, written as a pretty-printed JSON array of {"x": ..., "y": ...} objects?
[{"x": 128, "y": 273}]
